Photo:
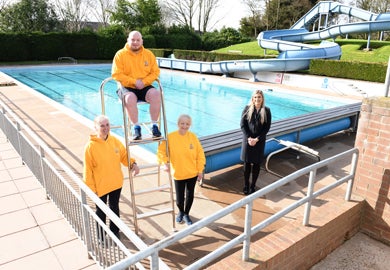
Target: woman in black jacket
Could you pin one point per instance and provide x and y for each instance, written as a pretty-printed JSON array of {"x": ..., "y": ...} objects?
[{"x": 255, "y": 124}]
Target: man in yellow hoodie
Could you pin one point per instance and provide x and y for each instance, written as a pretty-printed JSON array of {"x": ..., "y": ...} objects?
[
  {"x": 103, "y": 156},
  {"x": 135, "y": 68}
]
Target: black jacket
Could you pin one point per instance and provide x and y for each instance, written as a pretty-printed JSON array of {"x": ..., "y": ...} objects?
[{"x": 254, "y": 129}]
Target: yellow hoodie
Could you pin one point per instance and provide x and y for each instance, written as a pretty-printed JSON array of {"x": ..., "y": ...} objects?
[
  {"x": 102, "y": 164},
  {"x": 128, "y": 66},
  {"x": 186, "y": 155}
]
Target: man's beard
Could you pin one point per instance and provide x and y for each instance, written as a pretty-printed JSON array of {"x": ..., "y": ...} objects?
[{"x": 135, "y": 49}]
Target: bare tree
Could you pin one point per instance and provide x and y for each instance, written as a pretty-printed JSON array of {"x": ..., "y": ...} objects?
[
  {"x": 207, "y": 7},
  {"x": 191, "y": 12},
  {"x": 73, "y": 13},
  {"x": 182, "y": 11},
  {"x": 100, "y": 10},
  {"x": 4, "y": 4},
  {"x": 256, "y": 9}
]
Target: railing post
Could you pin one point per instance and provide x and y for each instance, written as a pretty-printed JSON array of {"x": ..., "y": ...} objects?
[
  {"x": 247, "y": 231},
  {"x": 310, "y": 188},
  {"x": 352, "y": 173},
  {"x": 19, "y": 150},
  {"x": 86, "y": 224},
  {"x": 154, "y": 265},
  {"x": 387, "y": 79},
  {"x": 41, "y": 157}
]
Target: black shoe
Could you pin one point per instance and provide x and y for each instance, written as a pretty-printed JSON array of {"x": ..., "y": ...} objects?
[
  {"x": 246, "y": 190},
  {"x": 252, "y": 190},
  {"x": 187, "y": 219},
  {"x": 155, "y": 131},
  {"x": 137, "y": 133},
  {"x": 179, "y": 217}
]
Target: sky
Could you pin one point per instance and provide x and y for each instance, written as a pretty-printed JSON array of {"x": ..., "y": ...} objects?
[{"x": 229, "y": 13}]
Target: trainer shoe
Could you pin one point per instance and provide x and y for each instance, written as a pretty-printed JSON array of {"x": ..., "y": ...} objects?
[
  {"x": 187, "y": 219},
  {"x": 179, "y": 217},
  {"x": 155, "y": 131},
  {"x": 137, "y": 133}
]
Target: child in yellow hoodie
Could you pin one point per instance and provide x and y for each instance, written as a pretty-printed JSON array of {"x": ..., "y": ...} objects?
[{"x": 186, "y": 164}]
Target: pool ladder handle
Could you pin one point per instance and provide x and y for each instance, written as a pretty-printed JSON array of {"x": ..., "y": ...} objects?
[{"x": 290, "y": 145}]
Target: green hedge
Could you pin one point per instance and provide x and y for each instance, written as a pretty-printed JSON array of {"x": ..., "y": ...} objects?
[
  {"x": 373, "y": 72},
  {"x": 51, "y": 46},
  {"x": 213, "y": 56}
]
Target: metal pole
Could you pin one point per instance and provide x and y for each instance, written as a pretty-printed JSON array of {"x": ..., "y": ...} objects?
[{"x": 387, "y": 81}]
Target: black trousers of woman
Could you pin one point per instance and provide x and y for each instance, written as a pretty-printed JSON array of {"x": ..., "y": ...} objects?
[
  {"x": 113, "y": 203},
  {"x": 185, "y": 190},
  {"x": 254, "y": 170}
]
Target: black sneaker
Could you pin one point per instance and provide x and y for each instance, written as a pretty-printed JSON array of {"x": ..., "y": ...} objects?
[
  {"x": 246, "y": 190},
  {"x": 137, "y": 133},
  {"x": 155, "y": 131},
  {"x": 187, "y": 219},
  {"x": 179, "y": 217}
]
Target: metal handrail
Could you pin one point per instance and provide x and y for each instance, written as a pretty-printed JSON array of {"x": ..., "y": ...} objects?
[
  {"x": 151, "y": 252},
  {"x": 85, "y": 220},
  {"x": 248, "y": 203}
]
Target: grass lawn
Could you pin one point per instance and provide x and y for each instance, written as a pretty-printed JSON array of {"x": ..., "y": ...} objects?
[{"x": 350, "y": 52}]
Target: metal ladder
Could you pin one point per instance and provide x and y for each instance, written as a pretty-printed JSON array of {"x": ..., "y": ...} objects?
[{"x": 149, "y": 169}]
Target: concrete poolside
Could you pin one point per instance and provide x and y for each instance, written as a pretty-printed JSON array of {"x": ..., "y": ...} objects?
[{"x": 66, "y": 134}]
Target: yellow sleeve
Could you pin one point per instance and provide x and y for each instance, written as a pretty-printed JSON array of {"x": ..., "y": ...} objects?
[
  {"x": 88, "y": 176},
  {"x": 162, "y": 156},
  {"x": 200, "y": 157}
]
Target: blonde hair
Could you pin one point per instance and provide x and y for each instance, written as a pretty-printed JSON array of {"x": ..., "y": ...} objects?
[{"x": 251, "y": 108}]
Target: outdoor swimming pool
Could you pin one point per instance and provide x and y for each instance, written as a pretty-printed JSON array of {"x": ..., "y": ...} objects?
[{"x": 214, "y": 103}]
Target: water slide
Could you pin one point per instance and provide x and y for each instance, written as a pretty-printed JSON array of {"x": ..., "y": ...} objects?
[{"x": 294, "y": 54}]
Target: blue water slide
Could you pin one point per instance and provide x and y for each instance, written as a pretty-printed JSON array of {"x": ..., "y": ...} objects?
[{"x": 294, "y": 54}]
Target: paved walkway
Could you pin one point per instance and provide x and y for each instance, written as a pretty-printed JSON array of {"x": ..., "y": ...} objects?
[{"x": 33, "y": 232}]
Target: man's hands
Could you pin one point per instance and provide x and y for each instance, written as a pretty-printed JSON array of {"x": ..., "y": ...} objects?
[{"x": 139, "y": 84}]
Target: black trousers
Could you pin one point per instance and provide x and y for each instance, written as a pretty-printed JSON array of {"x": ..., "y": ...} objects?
[
  {"x": 185, "y": 190},
  {"x": 113, "y": 203},
  {"x": 251, "y": 168}
]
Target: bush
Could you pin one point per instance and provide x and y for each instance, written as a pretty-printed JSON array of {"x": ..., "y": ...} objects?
[{"x": 374, "y": 72}]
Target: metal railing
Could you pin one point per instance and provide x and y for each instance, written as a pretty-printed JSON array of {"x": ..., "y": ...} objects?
[
  {"x": 76, "y": 206},
  {"x": 111, "y": 253}
]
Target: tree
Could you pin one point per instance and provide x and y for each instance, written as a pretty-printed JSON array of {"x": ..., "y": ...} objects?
[
  {"x": 73, "y": 13},
  {"x": 28, "y": 16},
  {"x": 4, "y": 4},
  {"x": 182, "y": 11},
  {"x": 100, "y": 10},
  {"x": 282, "y": 14},
  {"x": 137, "y": 15},
  {"x": 256, "y": 9},
  {"x": 191, "y": 13},
  {"x": 207, "y": 9}
]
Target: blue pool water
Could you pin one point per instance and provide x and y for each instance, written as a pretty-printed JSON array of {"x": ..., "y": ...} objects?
[{"x": 214, "y": 104}]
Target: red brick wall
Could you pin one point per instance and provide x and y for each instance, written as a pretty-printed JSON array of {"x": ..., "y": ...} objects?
[
  {"x": 372, "y": 181},
  {"x": 297, "y": 247}
]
